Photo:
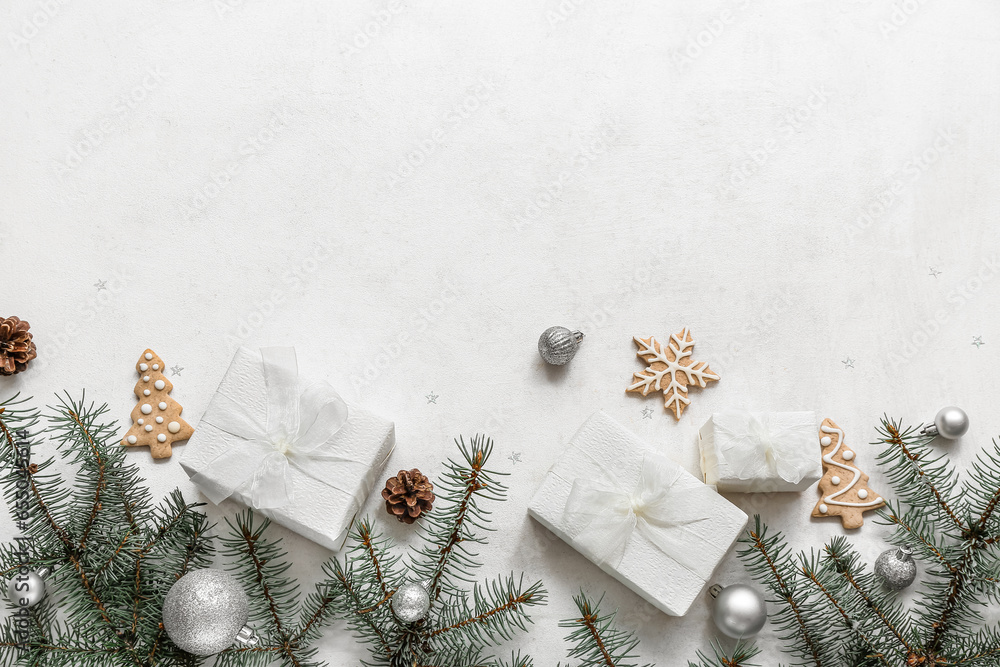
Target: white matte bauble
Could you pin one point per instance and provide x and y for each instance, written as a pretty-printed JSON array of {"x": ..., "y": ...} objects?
[
  {"x": 739, "y": 610},
  {"x": 204, "y": 611},
  {"x": 951, "y": 422},
  {"x": 411, "y": 602},
  {"x": 26, "y": 589}
]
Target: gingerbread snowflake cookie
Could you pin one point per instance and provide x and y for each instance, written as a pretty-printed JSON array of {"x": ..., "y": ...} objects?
[
  {"x": 156, "y": 420},
  {"x": 844, "y": 490},
  {"x": 670, "y": 370}
]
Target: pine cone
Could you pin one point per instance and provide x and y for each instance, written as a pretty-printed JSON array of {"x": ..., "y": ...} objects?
[
  {"x": 16, "y": 347},
  {"x": 407, "y": 495}
]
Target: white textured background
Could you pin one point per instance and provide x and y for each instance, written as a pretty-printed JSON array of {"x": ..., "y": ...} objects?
[{"x": 412, "y": 207}]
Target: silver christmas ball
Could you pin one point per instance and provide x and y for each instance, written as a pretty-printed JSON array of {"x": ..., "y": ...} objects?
[
  {"x": 26, "y": 589},
  {"x": 896, "y": 568},
  {"x": 951, "y": 422},
  {"x": 204, "y": 611},
  {"x": 558, "y": 345},
  {"x": 739, "y": 610},
  {"x": 411, "y": 602}
]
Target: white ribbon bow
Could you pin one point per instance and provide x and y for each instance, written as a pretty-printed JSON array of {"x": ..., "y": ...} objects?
[
  {"x": 605, "y": 514},
  {"x": 297, "y": 431},
  {"x": 766, "y": 447}
]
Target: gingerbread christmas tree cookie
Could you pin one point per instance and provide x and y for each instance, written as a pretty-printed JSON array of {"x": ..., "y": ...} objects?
[
  {"x": 671, "y": 370},
  {"x": 156, "y": 420},
  {"x": 844, "y": 489}
]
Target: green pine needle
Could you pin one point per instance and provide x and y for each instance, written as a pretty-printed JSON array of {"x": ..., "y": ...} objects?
[{"x": 832, "y": 611}]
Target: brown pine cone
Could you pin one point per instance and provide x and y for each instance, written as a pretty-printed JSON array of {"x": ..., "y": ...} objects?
[
  {"x": 407, "y": 495},
  {"x": 16, "y": 346}
]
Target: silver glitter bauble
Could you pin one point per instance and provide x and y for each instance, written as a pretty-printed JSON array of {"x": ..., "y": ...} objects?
[
  {"x": 204, "y": 611},
  {"x": 950, "y": 422},
  {"x": 411, "y": 602},
  {"x": 26, "y": 589},
  {"x": 896, "y": 568},
  {"x": 739, "y": 610},
  {"x": 558, "y": 345}
]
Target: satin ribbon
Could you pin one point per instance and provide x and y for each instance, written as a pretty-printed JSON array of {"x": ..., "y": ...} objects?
[
  {"x": 297, "y": 431},
  {"x": 766, "y": 447},
  {"x": 605, "y": 514}
]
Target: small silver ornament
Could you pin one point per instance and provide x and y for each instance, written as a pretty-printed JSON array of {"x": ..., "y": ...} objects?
[
  {"x": 558, "y": 345},
  {"x": 739, "y": 610},
  {"x": 896, "y": 568},
  {"x": 26, "y": 589},
  {"x": 205, "y": 611},
  {"x": 950, "y": 422},
  {"x": 411, "y": 602}
]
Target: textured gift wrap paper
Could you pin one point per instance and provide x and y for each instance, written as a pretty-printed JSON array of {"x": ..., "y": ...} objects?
[
  {"x": 234, "y": 452},
  {"x": 637, "y": 515},
  {"x": 750, "y": 452}
]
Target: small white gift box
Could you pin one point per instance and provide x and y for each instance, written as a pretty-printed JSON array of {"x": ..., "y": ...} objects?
[
  {"x": 760, "y": 451},
  {"x": 292, "y": 450},
  {"x": 637, "y": 515}
]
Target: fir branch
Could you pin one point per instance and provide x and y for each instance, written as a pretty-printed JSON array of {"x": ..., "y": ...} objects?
[
  {"x": 915, "y": 533},
  {"x": 498, "y": 609},
  {"x": 740, "y": 656},
  {"x": 952, "y": 531},
  {"x": 368, "y": 544},
  {"x": 844, "y": 563},
  {"x": 261, "y": 569},
  {"x": 99, "y": 483},
  {"x": 459, "y": 624},
  {"x": 919, "y": 478},
  {"x": 812, "y": 570},
  {"x": 363, "y": 626},
  {"x": 109, "y": 550},
  {"x": 10, "y": 456},
  {"x": 770, "y": 563},
  {"x": 450, "y": 527},
  {"x": 596, "y": 641}
]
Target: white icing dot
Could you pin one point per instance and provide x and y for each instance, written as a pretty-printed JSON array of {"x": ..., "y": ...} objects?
[
  {"x": 146, "y": 408},
  {"x": 132, "y": 439},
  {"x": 145, "y": 392},
  {"x": 159, "y": 420},
  {"x": 149, "y": 356},
  {"x": 143, "y": 367},
  {"x": 173, "y": 427},
  {"x": 159, "y": 384},
  {"x": 149, "y": 427},
  {"x": 161, "y": 438},
  {"x": 848, "y": 455},
  {"x": 835, "y": 480},
  {"x": 145, "y": 378},
  {"x": 156, "y": 367},
  {"x": 162, "y": 405},
  {"x": 825, "y": 440},
  {"x": 823, "y": 508},
  {"x": 141, "y": 422},
  {"x": 862, "y": 494}
]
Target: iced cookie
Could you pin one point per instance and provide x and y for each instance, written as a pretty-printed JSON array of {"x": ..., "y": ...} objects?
[
  {"x": 671, "y": 370},
  {"x": 843, "y": 489},
  {"x": 156, "y": 420}
]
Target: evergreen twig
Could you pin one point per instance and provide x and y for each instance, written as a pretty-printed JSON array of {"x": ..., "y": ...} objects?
[
  {"x": 833, "y": 612},
  {"x": 460, "y": 625}
]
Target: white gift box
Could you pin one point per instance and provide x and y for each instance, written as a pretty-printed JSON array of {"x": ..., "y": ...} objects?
[
  {"x": 291, "y": 449},
  {"x": 637, "y": 515},
  {"x": 760, "y": 451}
]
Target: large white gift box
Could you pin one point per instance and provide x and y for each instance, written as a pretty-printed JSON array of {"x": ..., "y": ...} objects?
[
  {"x": 751, "y": 452},
  {"x": 291, "y": 449},
  {"x": 637, "y": 515}
]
